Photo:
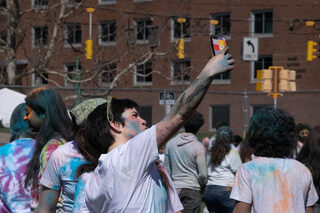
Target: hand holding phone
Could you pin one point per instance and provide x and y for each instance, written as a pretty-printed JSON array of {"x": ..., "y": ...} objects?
[{"x": 217, "y": 44}]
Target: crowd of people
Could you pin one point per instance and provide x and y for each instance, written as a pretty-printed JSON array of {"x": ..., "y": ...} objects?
[{"x": 101, "y": 157}]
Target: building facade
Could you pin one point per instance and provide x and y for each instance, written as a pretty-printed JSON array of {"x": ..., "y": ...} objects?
[{"x": 134, "y": 52}]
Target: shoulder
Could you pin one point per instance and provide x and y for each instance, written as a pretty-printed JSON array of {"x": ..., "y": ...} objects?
[{"x": 300, "y": 166}]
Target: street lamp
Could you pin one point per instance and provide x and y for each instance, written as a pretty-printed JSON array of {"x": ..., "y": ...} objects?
[
  {"x": 90, "y": 10},
  {"x": 180, "y": 46}
]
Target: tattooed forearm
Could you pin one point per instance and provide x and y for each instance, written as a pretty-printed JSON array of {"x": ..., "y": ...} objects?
[
  {"x": 195, "y": 93},
  {"x": 181, "y": 98},
  {"x": 163, "y": 131}
]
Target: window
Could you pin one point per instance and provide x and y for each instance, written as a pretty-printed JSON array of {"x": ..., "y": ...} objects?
[
  {"x": 108, "y": 73},
  {"x": 145, "y": 113},
  {"x": 72, "y": 73},
  {"x": 142, "y": 30},
  {"x": 219, "y": 113},
  {"x": 262, "y": 22},
  {"x": 21, "y": 70},
  {"x": 39, "y": 78},
  {"x": 108, "y": 32},
  {"x": 222, "y": 77},
  {"x": 40, "y": 3},
  {"x": 144, "y": 73},
  {"x": 181, "y": 71},
  {"x": 40, "y": 36},
  {"x": 180, "y": 30},
  {"x": 73, "y": 33},
  {"x": 107, "y": 1},
  {"x": 74, "y": 2},
  {"x": 263, "y": 63},
  {"x": 223, "y": 27}
]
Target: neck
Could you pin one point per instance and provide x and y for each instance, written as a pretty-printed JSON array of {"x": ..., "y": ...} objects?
[{"x": 118, "y": 140}]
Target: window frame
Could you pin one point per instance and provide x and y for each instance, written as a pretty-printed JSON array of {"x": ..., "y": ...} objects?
[
  {"x": 74, "y": 32},
  {"x": 107, "y": 2},
  {"x": 253, "y": 70},
  {"x": 228, "y": 106},
  {"x": 34, "y": 78},
  {"x": 143, "y": 83},
  {"x": 173, "y": 21},
  {"x": 108, "y": 23},
  {"x": 40, "y": 6},
  {"x": 66, "y": 83},
  {"x": 34, "y": 45},
  {"x": 103, "y": 71},
  {"x": 253, "y": 21},
  {"x": 180, "y": 82},
  {"x": 145, "y": 28},
  {"x": 219, "y": 16}
]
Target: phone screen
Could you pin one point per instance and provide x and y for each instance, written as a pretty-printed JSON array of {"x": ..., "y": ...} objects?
[{"x": 217, "y": 43}]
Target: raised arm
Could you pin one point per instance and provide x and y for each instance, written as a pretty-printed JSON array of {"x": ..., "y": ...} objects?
[{"x": 189, "y": 100}]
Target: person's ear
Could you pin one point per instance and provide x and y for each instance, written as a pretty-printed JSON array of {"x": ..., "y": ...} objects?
[{"x": 115, "y": 126}]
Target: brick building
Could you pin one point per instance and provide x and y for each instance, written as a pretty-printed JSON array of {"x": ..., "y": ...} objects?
[{"x": 137, "y": 38}]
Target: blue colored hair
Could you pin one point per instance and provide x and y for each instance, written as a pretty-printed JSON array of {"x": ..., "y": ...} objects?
[
  {"x": 56, "y": 124},
  {"x": 272, "y": 133},
  {"x": 18, "y": 126}
]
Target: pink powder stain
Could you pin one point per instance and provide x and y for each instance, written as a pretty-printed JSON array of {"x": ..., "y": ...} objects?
[{"x": 284, "y": 204}]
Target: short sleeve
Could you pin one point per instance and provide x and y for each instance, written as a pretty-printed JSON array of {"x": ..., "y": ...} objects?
[
  {"x": 312, "y": 196},
  {"x": 235, "y": 160},
  {"x": 47, "y": 151},
  {"x": 50, "y": 177},
  {"x": 140, "y": 153},
  {"x": 241, "y": 190}
]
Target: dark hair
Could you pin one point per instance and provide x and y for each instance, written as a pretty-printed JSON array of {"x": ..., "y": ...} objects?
[
  {"x": 272, "y": 133},
  {"x": 221, "y": 146},
  {"x": 56, "y": 124},
  {"x": 193, "y": 125},
  {"x": 18, "y": 126},
  {"x": 309, "y": 155},
  {"x": 302, "y": 126},
  {"x": 95, "y": 137},
  {"x": 221, "y": 124},
  {"x": 237, "y": 139},
  {"x": 245, "y": 151}
]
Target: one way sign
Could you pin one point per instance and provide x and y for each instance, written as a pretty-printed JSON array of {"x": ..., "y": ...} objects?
[{"x": 250, "y": 49}]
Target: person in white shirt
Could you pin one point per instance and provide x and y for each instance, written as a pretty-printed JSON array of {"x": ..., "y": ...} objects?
[
  {"x": 224, "y": 163},
  {"x": 127, "y": 178}
]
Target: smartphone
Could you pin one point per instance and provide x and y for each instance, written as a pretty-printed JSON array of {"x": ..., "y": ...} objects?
[{"x": 217, "y": 44}]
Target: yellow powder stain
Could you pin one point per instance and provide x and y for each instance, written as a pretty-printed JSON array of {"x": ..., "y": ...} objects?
[{"x": 284, "y": 204}]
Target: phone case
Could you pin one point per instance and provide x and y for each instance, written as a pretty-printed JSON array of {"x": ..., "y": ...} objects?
[{"x": 217, "y": 43}]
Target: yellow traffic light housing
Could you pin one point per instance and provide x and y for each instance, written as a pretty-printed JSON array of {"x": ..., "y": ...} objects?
[
  {"x": 264, "y": 82},
  {"x": 88, "y": 49},
  {"x": 311, "y": 50},
  {"x": 180, "y": 48}
]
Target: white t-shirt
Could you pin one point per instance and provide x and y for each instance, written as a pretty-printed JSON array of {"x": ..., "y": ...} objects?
[
  {"x": 274, "y": 185},
  {"x": 127, "y": 180},
  {"x": 223, "y": 174},
  {"x": 60, "y": 172}
]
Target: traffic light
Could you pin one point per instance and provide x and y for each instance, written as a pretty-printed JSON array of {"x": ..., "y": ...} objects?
[
  {"x": 284, "y": 84},
  {"x": 89, "y": 49},
  {"x": 287, "y": 80},
  {"x": 264, "y": 82},
  {"x": 292, "y": 81},
  {"x": 311, "y": 50},
  {"x": 180, "y": 48}
]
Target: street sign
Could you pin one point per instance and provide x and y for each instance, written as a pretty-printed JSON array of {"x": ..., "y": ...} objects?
[
  {"x": 166, "y": 98},
  {"x": 250, "y": 49}
]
